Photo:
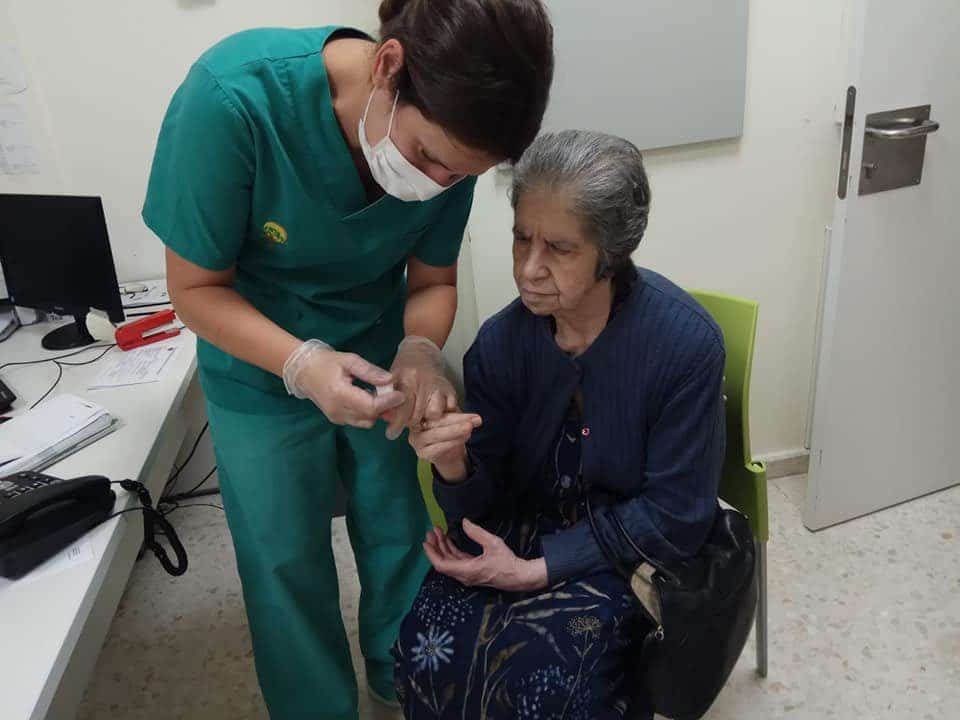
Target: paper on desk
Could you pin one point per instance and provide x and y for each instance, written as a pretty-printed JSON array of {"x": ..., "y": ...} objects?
[
  {"x": 135, "y": 367},
  {"x": 52, "y": 427},
  {"x": 153, "y": 293}
]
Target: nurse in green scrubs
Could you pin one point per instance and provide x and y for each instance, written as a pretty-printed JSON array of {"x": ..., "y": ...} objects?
[{"x": 312, "y": 188}]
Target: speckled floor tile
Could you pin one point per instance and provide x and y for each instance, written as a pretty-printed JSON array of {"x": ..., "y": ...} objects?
[
  {"x": 864, "y": 624},
  {"x": 179, "y": 648}
]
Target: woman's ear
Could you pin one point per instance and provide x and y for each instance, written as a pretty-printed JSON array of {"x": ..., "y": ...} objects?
[
  {"x": 387, "y": 64},
  {"x": 604, "y": 270}
]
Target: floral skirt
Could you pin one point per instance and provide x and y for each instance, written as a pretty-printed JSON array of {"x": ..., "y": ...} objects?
[
  {"x": 483, "y": 654},
  {"x": 472, "y": 653}
]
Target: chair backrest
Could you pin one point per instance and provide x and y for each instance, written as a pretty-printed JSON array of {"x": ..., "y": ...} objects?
[
  {"x": 737, "y": 317},
  {"x": 744, "y": 479}
]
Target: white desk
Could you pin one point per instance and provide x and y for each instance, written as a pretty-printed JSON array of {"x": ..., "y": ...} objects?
[{"x": 52, "y": 626}]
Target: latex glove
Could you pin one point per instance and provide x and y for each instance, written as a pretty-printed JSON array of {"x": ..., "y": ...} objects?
[
  {"x": 418, "y": 374},
  {"x": 318, "y": 372},
  {"x": 498, "y": 567},
  {"x": 443, "y": 443}
]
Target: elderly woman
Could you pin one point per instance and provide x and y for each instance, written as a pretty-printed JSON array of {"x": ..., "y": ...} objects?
[{"x": 602, "y": 379}]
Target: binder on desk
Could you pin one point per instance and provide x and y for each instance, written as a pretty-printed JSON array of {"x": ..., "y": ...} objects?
[{"x": 50, "y": 432}]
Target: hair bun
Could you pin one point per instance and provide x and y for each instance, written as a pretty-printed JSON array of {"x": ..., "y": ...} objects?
[{"x": 390, "y": 9}]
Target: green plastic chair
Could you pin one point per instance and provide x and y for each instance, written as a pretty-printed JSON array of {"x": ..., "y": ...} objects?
[
  {"x": 744, "y": 480},
  {"x": 425, "y": 475},
  {"x": 743, "y": 483}
]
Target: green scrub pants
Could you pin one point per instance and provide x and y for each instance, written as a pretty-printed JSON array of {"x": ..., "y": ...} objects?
[{"x": 278, "y": 475}]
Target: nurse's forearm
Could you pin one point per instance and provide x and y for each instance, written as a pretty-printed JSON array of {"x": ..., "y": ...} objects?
[
  {"x": 223, "y": 318},
  {"x": 430, "y": 312}
]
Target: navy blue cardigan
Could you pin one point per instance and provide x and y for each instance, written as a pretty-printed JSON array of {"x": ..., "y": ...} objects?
[{"x": 652, "y": 412}]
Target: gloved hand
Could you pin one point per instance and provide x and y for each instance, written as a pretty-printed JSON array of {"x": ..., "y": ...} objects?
[
  {"x": 418, "y": 374},
  {"x": 316, "y": 371}
]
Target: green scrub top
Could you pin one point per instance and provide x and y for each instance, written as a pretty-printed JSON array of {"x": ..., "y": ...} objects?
[{"x": 252, "y": 170}]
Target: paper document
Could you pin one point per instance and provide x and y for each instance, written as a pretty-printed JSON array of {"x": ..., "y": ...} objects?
[
  {"x": 54, "y": 429},
  {"x": 135, "y": 367},
  {"x": 16, "y": 150},
  {"x": 144, "y": 293}
]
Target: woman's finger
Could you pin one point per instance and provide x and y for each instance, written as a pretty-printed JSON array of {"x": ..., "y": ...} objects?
[
  {"x": 441, "y": 543},
  {"x": 429, "y": 440},
  {"x": 386, "y": 402},
  {"x": 353, "y": 404},
  {"x": 419, "y": 405},
  {"x": 399, "y": 416},
  {"x": 434, "y": 557},
  {"x": 439, "y": 451},
  {"x": 452, "y": 550},
  {"x": 445, "y": 544},
  {"x": 460, "y": 431},
  {"x": 452, "y": 419},
  {"x": 484, "y": 538},
  {"x": 357, "y": 367},
  {"x": 435, "y": 406},
  {"x": 436, "y": 543},
  {"x": 431, "y": 540},
  {"x": 445, "y": 566}
]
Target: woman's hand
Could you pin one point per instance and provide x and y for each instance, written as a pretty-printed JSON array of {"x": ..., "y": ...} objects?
[
  {"x": 498, "y": 567},
  {"x": 443, "y": 443},
  {"x": 418, "y": 373},
  {"x": 316, "y": 371}
]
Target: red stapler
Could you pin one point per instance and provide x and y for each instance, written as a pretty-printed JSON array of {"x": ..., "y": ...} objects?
[{"x": 148, "y": 330}]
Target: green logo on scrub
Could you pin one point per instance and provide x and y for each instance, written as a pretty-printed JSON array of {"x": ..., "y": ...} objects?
[{"x": 275, "y": 233}]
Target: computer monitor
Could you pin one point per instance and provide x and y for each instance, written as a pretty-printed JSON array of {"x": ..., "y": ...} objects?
[{"x": 56, "y": 257}]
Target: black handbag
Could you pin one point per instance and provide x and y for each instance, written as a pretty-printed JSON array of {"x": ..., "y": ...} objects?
[{"x": 700, "y": 612}]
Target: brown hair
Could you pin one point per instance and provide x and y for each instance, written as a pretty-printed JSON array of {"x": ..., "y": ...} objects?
[{"x": 480, "y": 69}]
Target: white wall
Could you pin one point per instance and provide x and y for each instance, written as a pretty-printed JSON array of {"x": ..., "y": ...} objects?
[
  {"x": 745, "y": 217},
  {"x": 101, "y": 75}
]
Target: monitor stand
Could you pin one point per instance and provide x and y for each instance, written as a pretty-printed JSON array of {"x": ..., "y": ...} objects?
[{"x": 70, "y": 336}]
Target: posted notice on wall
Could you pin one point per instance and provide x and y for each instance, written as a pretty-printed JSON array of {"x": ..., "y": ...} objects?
[
  {"x": 17, "y": 156},
  {"x": 13, "y": 79}
]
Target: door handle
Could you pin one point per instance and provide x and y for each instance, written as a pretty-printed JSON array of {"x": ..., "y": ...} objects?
[{"x": 902, "y": 128}]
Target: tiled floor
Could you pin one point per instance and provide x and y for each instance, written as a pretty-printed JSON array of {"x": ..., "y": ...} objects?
[{"x": 864, "y": 624}]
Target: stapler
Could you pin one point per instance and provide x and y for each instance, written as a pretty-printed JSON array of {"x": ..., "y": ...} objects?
[{"x": 148, "y": 330}]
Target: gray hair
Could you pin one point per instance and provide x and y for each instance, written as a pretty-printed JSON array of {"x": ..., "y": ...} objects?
[{"x": 604, "y": 178}]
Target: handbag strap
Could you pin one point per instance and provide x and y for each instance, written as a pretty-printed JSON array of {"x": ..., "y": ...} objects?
[
  {"x": 636, "y": 548},
  {"x": 611, "y": 556}
]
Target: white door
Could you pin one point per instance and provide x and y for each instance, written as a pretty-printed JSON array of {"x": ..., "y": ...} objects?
[{"x": 886, "y": 423}]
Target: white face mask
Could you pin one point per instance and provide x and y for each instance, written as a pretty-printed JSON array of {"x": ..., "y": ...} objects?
[{"x": 392, "y": 171}]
